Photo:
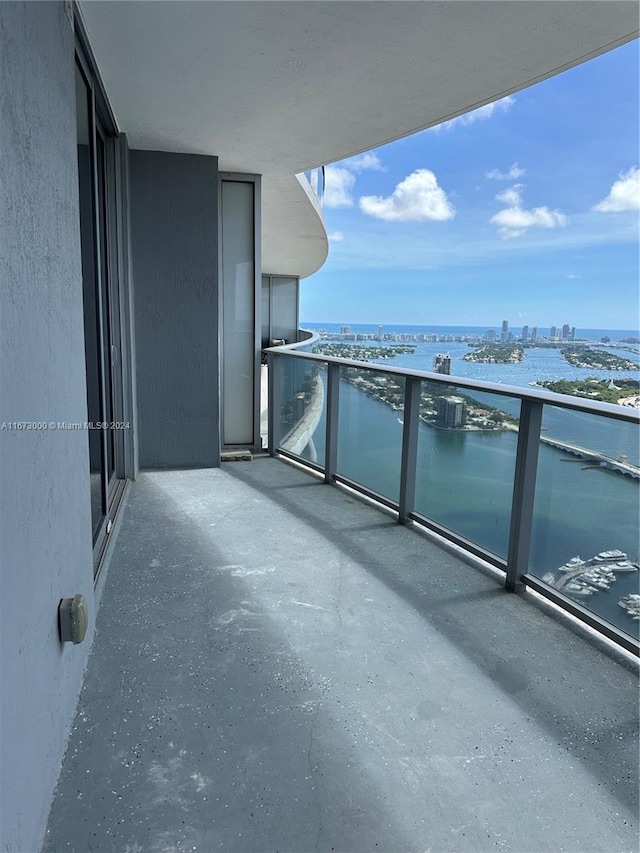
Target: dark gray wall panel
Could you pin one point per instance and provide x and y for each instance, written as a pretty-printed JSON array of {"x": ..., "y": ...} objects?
[
  {"x": 45, "y": 522},
  {"x": 174, "y": 235}
]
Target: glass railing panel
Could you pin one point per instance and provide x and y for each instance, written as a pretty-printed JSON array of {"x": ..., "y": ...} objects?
[
  {"x": 586, "y": 513},
  {"x": 370, "y": 429},
  {"x": 302, "y": 407},
  {"x": 315, "y": 180},
  {"x": 467, "y": 442}
]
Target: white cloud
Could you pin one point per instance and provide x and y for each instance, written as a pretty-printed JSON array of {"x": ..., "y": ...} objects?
[
  {"x": 511, "y": 196},
  {"x": 340, "y": 178},
  {"x": 335, "y": 236},
  {"x": 573, "y": 275},
  {"x": 624, "y": 194},
  {"x": 512, "y": 174},
  {"x": 338, "y": 183},
  {"x": 415, "y": 199},
  {"x": 485, "y": 112},
  {"x": 363, "y": 162},
  {"x": 514, "y": 220}
]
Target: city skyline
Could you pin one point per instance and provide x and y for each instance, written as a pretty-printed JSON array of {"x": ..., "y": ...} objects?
[
  {"x": 526, "y": 208},
  {"x": 534, "y": 331}
]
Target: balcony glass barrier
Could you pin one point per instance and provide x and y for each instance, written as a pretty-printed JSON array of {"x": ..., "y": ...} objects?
[
  {"x": 465, "y": 464},
  {"x": 315, "y": 179},
  {"x": 544, "y": 486},
  {"x": 301, "y": 413},
  {"x": 370, "y": 429},
  {"x": 586, "y": 513}
]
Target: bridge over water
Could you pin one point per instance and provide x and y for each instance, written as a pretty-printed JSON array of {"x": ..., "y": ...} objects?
[{"x": 599, "y": 459}]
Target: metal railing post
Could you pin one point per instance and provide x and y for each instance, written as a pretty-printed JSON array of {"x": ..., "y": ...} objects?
[
  {"x": 331, "y": 440},
  {"x": 274, "y": 395},
  {"x": 524, "y": 488},
  {"x": 412, "y": 390}
]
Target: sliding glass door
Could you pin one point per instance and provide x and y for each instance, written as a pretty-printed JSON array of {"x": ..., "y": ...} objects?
[{"x": 96, "y": 184}]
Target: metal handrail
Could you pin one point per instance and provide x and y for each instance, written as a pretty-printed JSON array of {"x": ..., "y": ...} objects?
[{"x": 551, "y": 398}]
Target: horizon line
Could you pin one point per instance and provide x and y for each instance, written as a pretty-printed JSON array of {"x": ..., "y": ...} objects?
[{"x": 463, "y": 325}]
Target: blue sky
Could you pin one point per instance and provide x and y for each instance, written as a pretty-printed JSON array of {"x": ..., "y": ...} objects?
[{"x": 524, "y": 210}]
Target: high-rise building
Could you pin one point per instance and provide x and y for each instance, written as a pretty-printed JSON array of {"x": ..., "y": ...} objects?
[
  {"x": 345, "y": 330},
  {"x": 553, "y": 333},
  {"x": 490, "y": 335},
  {"x": 452, "y": 412},
  {"x": 534, "y": 334},
  {"x": 573, "y": 333},
  {"x": 504, "y": 336},
  {"x": 566, "y": 332},
  {"x": 525, "y": 334},
  {"x": 442, "y": 364},
  {"x": 380, "y": 333}
]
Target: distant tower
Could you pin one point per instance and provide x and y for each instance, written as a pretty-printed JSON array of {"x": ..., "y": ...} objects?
[
  {"x": 380, "y": 333},
  {"x": 566, "y": 332},
  {"x": 553, "y": 333},
  {"x": 525, "y": 333},
  {"x": 504, "y": 337},
  {"x": 452, "y": 412},
  {"x": 534, "y": 334},
  {"x": 442, "y": 364},
  {"x": 573, "y": 333}
]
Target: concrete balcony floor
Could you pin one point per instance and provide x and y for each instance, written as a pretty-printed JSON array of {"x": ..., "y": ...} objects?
[{"x": 281, "y": 668}]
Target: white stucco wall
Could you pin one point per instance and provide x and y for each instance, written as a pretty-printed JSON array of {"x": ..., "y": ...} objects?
[{"x": 45, "y": 525}]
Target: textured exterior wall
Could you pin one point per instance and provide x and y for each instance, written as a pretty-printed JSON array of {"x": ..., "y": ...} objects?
[
  {"x": 174, "y": 235},
  {"x": 45, "y": 525}
]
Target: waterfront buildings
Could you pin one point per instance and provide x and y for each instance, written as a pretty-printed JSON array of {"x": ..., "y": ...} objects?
[
  {"x": 161, "y": 200},
  {"x": 452, "y": 412},
  {"x": 442, "y": 364},
  {"x": 504, "y": 335}
]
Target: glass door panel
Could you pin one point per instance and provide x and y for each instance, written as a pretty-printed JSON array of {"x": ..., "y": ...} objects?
[
  {"x": 96, "y": 186},
  {"x": 238, "y": 313},
  {"x": 90, "y": 301}
]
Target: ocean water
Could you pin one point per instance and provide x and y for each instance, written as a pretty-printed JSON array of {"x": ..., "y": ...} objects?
[{"x": 465, "y": 479}]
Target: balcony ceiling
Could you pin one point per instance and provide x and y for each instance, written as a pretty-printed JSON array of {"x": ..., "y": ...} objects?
[{"x": 277, "y": 87}]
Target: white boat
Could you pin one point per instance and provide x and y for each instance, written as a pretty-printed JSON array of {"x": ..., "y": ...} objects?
[
  {"x": 610, "y": 556},
  {"x": 578, "y": 590},
  {"x": 623, "y": 566}
]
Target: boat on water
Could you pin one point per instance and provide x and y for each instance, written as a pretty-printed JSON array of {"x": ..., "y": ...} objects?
[
  {"x": 631, "y": 603},
  {"x": 609, "y": 556},
  {"x": 578, "y": 589},
  {"x": 623, "y": 566},
  {"x": 573, "y": 564},
  {"x": 582, "y": 578}
]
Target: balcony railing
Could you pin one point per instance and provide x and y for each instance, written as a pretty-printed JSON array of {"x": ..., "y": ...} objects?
[
  {"x": 315, "y": 179},
  {"x": 542, "y": 486}
]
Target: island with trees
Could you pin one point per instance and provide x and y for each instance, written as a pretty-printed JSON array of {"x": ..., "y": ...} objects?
[
  {"x": 600, "y": 359},
  {"x": 389, "y": 389},
  {"x": 495, "y": 354},
  {"x": 596, "y": 389},
  {"x": 362, "y": 352}
]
